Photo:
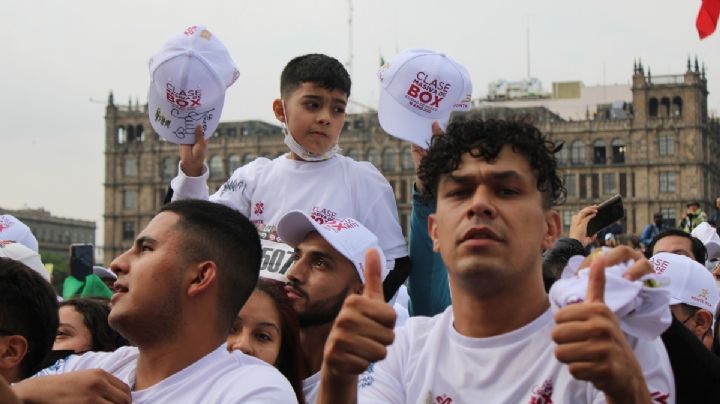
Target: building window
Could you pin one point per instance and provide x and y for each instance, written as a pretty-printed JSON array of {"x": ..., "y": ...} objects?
[
  {"x": 234, "y": 162},
  {"x": 666, "y": 145},
  {"x": 562, "y": 155},
  {"x": 129, "y": 199},
  {"x": 578, "y": 152},
  {"x": 407, "y": 161},
  {"x": 668, "y": 182},
  {"x": 232, "y": 132},
  {"x": 130, "y": 167},
  {"x": 618, "y": 151},
  {"x": 676, "y": 107},
  {"x": 570, "y": 185},
  {"x": 665, "y": 107},
  {"x": 567, "y": 220},
  {"x": 669, "y": 216},
  {"x": 599, "y": 156},
  {"x": 248, "y": 158},
  {"x": 374, "y": 157},
  {"x": 217, "y": 168},
  {"x": 609, "y": 183},
  {"x": 653, "y": 108},
  {"x": 389, "y": 160},
  {"x": 121, "y": 135},
  {"x": 128, "y": 231},
  {"x": 168, "y": 168}
]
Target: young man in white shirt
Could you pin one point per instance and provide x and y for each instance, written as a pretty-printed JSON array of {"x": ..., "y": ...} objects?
[
  {"x": 495, "y": 183},
  {"x": 178, "y": 291}
]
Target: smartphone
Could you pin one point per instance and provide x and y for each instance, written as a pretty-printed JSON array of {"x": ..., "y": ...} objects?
[
  {"x": 609, "y": 212},
  {"x": 82, "y": 259}
]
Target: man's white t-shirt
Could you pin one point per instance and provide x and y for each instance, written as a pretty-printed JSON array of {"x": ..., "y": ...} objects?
[
  {"x": 430, "y": 362},
  {"x": 218, "y": 377},
  {"x": 264, "y": 190}
]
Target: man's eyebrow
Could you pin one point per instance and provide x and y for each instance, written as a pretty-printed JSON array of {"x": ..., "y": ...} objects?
[
  {"x": 145, "y": 240},
  {"x": 492, "y": 176}
]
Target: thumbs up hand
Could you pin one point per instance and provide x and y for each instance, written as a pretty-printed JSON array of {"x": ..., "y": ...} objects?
[
  {"x": 362, "y": 329},
  {"x": 589, "y": 339}
]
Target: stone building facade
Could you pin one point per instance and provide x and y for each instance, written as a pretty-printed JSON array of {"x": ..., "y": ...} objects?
[{"x": 659, "y": 156}]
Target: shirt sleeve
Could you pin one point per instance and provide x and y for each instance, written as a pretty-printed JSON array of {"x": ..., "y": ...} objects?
[
  {"x": 236, "y": 192},
  {"x": 428, "y": 284}
]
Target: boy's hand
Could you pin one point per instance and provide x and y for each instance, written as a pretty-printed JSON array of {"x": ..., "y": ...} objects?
[
  {"x": 589, "y": 339},
  {"x": 82, "y": 386},
  {"x": 418, "y": 153},
  {"x": 192, "y": 157},
  {"x": 363, "y": 328}
]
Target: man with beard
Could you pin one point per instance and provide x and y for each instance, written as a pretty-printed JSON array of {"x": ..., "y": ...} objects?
[
  {"x": 328, "y": 267},
  {"x": 178, "y": 291}
]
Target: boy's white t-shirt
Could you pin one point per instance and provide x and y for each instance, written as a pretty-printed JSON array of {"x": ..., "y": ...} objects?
[
  {"x": 264, "y": 190},
  {"x": 218, "y": 377},
  {"x": 430, "y": 362}
]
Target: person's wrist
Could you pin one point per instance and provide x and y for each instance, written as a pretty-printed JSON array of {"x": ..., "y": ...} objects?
[{"x": 191, "y": 170}]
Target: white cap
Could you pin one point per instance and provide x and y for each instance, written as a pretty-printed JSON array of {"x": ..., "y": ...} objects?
[
  {"x": 189, "y": 76},
  {"x": 709, "y": 237},
  {"x": 690, "y": 282},
  {"x": 19, "y": 252},
  {"x": 13, "y": 229},
  {"x": 103, "y": 273},
  {"x": 609, "y": 236},
  {"x": 347, "y": 236},
  {"x": 420, "y": 86}
]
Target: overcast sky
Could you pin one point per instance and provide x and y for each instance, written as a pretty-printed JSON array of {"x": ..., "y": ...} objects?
[{"x": 60, "y": 59}]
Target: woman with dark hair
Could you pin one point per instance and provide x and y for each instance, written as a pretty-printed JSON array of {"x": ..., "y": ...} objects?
[
  {"x": 84, "y": 327},
  {"x": 267, "y": 328}
]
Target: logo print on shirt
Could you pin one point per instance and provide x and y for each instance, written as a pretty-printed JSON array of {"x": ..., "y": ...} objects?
[
  {"x": 443, "y": 399},
  {"x": 322, "y": 215},
  {"x": 543, "y": 394},
  {"x": 660, "y": 397},
  {"x": 259, "y": 208}
]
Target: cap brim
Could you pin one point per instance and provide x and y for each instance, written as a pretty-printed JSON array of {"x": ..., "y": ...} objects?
[
  {"x": 294, "y": 226},
  {"x": 401, "y": 123},
  {"x": 178, "y": 125}
]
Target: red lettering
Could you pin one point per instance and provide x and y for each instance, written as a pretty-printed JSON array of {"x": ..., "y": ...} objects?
[
  {"x": 413, "y": 90},
  {"x": 195, "y": 103},
  {"x": 425, "y": 97},
  {"x": 181, "y": 103},
  {"x": 436, "y": 103}
]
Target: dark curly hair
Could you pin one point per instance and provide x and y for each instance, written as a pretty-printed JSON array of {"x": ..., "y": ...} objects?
[{"x": 484, "y": 140}]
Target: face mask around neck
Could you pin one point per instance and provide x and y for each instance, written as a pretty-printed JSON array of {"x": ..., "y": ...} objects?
[{"x": 300, "y": 151}]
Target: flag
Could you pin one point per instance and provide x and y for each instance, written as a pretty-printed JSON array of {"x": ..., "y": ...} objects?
[{"x": 707, "y": 18}]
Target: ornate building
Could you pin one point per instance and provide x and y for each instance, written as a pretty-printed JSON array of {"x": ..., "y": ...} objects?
[{"x": 657, "y": 151}]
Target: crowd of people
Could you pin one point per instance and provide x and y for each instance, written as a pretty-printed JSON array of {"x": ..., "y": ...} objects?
[{"x": 501, "y": 308}]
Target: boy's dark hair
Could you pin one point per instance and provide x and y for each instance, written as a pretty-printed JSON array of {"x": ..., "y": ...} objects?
[
  {"x": 316, "y": 68},
  {"x": 28, "y": 307},
  {"x": 485, "y": 139},
  {"x": 697, "y": 247},
  {"x": 214, "y": 232},
  {"x": 95, "y": 317}
]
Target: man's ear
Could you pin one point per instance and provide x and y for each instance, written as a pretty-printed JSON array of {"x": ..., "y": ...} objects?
[
  {"x": 278, "y": 110},
  {"x": 433, "y": 233},
  {"x": 554, "y": 227},
  {"x": 202, "y": 276},
  {"x": 703, "y": 322},
  {"x": 12, "y": 351}
]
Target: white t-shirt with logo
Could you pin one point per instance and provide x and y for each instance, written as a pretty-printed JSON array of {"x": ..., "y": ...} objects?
[
  {"x": 218, "y": 377},
  {"x": 430, "y": 362},
  {"x": 264, "y": 190}
]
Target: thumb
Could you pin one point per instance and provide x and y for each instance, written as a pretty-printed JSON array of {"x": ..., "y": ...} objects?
[
  {"x": 437, "y": 129},
  {"x": 596, "y": 281},
  {"x": 373, "y": 282}
]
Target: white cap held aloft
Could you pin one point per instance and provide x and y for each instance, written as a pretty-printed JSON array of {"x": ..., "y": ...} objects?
[
  {"x": 189, "y": 76},
  {"x": 420, "y": 86},
  {"x": 19, "y": 252},
  {"x": 347, "y": 236}
]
